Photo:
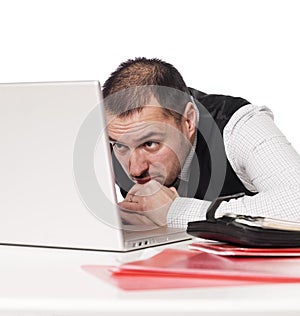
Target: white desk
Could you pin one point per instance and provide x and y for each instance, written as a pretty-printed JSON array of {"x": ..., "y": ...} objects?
[{"x": 39, "y": 281}]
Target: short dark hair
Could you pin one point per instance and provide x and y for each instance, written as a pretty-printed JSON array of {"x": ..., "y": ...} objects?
[{"x": 131, "y": 86}]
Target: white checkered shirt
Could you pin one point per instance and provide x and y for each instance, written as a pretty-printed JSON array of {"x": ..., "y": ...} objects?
[{"x": 266, "y": 163}]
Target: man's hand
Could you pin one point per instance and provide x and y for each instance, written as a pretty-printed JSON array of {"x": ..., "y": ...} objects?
[{"x": 148, "y": 204}]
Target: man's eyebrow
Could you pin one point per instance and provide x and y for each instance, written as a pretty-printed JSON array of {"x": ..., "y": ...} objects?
[
  {"x": 111, "y": 139},
  {"x": 142, "y": 138}
]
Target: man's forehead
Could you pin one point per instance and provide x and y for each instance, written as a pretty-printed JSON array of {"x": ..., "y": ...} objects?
[
  {"x": 149, "y": 122},
  {"x": 137, "y": 132},
  {"x": 145, "y": 115}
]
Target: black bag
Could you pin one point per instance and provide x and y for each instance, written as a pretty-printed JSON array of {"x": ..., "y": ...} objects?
[{"x": 259, "y": 232}]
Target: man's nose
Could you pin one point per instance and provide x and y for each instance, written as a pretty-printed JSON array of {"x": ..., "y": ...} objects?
[{"x": 138, "y": 163}]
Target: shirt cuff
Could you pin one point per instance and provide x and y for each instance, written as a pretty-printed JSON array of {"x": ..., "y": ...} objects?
[{"x": 184, "y": 210}]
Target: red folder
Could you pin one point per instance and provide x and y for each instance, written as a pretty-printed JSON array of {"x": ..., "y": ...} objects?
[
  {"x": 173, "y": 268},
  {"x": 224, "y": 249}
]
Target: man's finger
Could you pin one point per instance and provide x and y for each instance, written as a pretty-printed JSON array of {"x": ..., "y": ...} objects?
[
  {"x": 149, "y": 188},
  {"x": 137, "y": 218},
  {"x": 131, "y": 206}
]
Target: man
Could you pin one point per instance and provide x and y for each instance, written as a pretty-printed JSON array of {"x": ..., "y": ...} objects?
[{"x": 175, "y": 149}]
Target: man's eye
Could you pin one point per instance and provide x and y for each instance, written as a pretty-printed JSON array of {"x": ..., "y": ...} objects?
[
  {"x": 152, "y": 145},
  {"x": 120, "y": 147}
]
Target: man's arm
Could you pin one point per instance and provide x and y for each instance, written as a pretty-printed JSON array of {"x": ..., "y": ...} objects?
[{"x": 265, "y": 162}]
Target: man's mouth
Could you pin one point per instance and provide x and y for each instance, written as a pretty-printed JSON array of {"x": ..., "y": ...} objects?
[{"x": 145, "y": 179}]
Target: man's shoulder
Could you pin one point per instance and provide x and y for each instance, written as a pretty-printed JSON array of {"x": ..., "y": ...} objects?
[
  {"x": 217, "y": 99},
  {"x": 221, "y": 107}
]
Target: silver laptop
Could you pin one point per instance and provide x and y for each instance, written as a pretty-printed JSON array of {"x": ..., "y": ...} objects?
[{"x": 56, "y": 180}]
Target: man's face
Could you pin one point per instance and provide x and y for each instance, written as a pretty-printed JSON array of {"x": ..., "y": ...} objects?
[{"x": 150, "y": 145}]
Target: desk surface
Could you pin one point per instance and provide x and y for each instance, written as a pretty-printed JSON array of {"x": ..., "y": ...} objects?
[{"x": 40, "y": 281}]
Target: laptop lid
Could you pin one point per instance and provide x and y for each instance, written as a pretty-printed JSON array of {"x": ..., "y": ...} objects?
[{"x": 56, "y": 180}]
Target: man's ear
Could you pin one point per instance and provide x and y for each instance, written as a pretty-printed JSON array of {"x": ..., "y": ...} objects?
[{"x": 189, "y": 120}]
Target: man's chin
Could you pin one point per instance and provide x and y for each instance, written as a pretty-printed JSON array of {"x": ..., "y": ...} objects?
[{"x": 165, "y": 183}]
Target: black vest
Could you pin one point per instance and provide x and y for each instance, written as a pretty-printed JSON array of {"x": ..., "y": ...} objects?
[{"x": 211, "y": 173}]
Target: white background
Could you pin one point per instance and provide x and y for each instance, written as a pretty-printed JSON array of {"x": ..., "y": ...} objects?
[{"x": 242, "y": 48}]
